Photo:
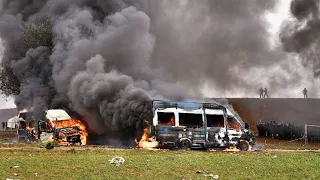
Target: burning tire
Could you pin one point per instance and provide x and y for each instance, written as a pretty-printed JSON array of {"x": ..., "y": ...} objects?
[
  {"x": 244, "y": 145},
  {"x": 184, "y": 145}
]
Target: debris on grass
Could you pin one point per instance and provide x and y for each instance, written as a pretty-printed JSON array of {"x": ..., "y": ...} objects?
[
  {"x": 117, "y": 160},
  {"x": 15, "y": 174},
  {"x": 11, "y": 179},
  {"x": 208, "y": 174},
  {"x": 215, "y": 177},
  {"x": 36, "y": 174},
  {"x": 274, "y": 156},
  {"x": 211, "y": 176},
  {"x": 14, "y": 166}
]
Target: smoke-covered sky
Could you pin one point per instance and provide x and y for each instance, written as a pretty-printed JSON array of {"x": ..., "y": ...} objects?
[
  {"x": 109, "y": 58},
  {"x": 285, "y": 78},
  {"x": 281, "y": 83}
]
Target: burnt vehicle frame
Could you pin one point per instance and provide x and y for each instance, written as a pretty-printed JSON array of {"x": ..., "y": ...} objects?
[
  {"x": 188, "y": 125},
  {"x": 26, "y": 130},
  {"x": 69, "y": 134}
]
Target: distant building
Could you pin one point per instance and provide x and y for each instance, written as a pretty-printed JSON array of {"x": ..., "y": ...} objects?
[{"x": 6, "y": 114}]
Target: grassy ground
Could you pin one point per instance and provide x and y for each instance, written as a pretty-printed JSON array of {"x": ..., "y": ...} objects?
[{"x": 144, "y": 164}]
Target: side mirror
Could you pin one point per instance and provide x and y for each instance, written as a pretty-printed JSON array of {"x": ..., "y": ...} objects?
[{"x": 246, "y": 125}]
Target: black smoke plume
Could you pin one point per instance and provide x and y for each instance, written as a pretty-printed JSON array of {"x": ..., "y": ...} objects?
[
  {"x": 107, "y": 59},
  {"x": 301, "y": 35}
]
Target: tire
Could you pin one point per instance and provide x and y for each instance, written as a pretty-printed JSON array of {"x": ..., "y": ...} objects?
[
  {"x": 184, "y": 145},
  {"x": 244, "y": 145}
]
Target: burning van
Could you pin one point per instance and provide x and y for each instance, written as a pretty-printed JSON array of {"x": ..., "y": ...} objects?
[
  {"x": 57, "y": 125},
  {"x": 26, "y": 126},
  {"x": 198, "y": 125}
]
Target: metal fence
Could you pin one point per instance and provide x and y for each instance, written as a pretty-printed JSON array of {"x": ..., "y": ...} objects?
[{"x": 311, "y": 133}]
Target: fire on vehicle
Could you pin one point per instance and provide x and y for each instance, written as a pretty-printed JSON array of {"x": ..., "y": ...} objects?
[
  {"x": 188, "y": 125},
  {"x": 52, "y": 125}
]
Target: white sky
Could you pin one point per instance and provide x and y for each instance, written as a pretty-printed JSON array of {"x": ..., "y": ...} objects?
[{"x": 274, "y": 18}]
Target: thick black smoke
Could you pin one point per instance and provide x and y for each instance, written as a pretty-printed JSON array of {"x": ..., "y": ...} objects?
[
  {"x": 98, "y": 65},
  {"x": 205, "y": 41},
  {"x": 302, "y": 34},
  {"x": 108, "y": 59}
]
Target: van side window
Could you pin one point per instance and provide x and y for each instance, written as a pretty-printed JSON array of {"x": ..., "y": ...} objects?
[
  {"x": 190, "y": 120},
  {"x": 166, "y": 118},
  {"x": 233, "y": 123},
  {"x": 215, "y": 120}
]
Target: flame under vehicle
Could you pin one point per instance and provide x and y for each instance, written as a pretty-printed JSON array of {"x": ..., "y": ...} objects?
[{"x": 187, "y": 125}]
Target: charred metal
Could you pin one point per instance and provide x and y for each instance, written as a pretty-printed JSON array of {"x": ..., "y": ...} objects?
[
  {"x": 187, "y": 125},
  {"x": 53, "y": 125}
]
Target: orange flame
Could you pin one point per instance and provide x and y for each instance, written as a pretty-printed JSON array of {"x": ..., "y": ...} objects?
[
  {"x": 146, "y": 142},
  {"x": 73, "y": 123},
  {"x": 233, "y": 148}
]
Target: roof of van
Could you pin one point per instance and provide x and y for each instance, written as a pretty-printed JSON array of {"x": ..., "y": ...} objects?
[
  {"x": 181, "y": 104},
  {"x": 57, "y": 114}
]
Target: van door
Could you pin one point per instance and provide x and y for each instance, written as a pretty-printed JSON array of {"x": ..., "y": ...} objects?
[
  {"x": 234, "y": 130},
  {"x": 215, "y": 128},
  {"x": 193, "y": 124},
  {"x": 165, "y": 121}
]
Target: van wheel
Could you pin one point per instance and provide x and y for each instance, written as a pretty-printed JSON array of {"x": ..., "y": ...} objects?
[
  {"x": 244, "y": 145},
  {"x": 184, "y": 145}
]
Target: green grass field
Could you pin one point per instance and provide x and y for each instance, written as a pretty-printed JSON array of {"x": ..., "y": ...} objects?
[{"x": 144, "y": 164}]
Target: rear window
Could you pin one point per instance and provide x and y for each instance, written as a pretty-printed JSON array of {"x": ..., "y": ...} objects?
[
  {"x": 190, "y": 120},
  {"x": 166, "y": 118},
  {"x": 215, "y": 120}
]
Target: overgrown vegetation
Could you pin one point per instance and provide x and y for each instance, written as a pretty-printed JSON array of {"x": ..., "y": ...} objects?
[{"x": 139, "y": 164}]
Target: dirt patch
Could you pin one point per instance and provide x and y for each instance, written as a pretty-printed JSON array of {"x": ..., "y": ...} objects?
[{"x": 275, "y": 142}]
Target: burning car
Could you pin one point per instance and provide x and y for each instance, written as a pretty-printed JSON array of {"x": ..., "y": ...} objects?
[
  {"x": 196, "y": 125},
  {"x": 56, "y": 124}
]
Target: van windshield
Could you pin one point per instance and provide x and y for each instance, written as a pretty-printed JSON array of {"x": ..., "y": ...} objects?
[
  {"x": 233, "y": 123},
  {"x": 190, "y": 120}
]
